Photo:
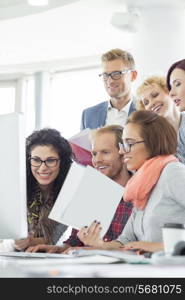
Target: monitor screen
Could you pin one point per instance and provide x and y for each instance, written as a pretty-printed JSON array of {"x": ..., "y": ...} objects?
[{"x": 13, "y": 208}]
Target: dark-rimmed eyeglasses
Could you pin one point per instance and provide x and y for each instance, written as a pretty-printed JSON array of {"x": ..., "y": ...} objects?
[
  {"x": 49, "y": 162},
  {"x": 114, "y": 75},
  {"x": 126, "y": 146}
]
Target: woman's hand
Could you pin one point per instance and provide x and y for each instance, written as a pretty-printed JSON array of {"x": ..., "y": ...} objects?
[
  {"x": 24, "y": 243},
  {"x": 45, "y": 248},
  {"x": 144, "y": 246},
  {"x": 29, "y": 241},
  {"x": 90, "y": 236}
]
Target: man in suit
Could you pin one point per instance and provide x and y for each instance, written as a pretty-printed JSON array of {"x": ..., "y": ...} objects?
[{"x": 118, "y": 74}]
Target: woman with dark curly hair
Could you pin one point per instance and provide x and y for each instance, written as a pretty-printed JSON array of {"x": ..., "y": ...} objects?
[{"x": 48, "y": 159}]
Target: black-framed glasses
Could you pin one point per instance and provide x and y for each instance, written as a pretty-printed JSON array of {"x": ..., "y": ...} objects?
[
  {"x": 114, "y": 75},
  {"x": 126, "y": 146},
  {"x": 49, "y": 162}
]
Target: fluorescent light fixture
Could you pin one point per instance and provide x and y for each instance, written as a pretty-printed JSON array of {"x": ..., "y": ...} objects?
[{"x": 38, "y": 2}]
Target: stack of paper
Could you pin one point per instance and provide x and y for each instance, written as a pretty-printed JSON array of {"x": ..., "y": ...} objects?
[
  {"x": 127, "y": 256},
  {"x": 86, "y": 195},
  {"x": 81, "y": 147}
]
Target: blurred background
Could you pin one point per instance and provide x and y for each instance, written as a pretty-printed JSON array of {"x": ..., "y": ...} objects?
[{"x": 50, "y": 52}]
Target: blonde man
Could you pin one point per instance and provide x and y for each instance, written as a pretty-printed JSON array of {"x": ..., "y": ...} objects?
[{"x": 118, "y": 74}]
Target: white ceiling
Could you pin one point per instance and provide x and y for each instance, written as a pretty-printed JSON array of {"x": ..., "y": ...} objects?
[
  {"x": 6, "y": 3},
  {"x": 148, "y": 4},
  {"x": 18, "y": 8},
  {"x": 67, "y": 32},
  {"x": 136, "y": 3},
  {"x": 81, "y": 28}
]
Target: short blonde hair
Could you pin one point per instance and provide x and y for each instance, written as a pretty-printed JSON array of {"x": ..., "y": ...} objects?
[
  {"x": 117, "y": 130},
  {"x": 150, "y": 81},
  {"x": 119, "y": 54}
]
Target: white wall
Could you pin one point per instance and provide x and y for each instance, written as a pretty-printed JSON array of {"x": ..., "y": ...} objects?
[
  {"x": 75, "y": 36},
  {"x": 160, "y": 40}
]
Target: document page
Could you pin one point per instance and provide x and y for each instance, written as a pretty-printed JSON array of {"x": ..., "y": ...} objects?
[
  {"x": 82, "y": 139},
  {"x": 87, "y": 195}
]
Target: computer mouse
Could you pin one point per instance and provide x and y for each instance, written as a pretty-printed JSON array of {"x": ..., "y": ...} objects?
[{"x": 179, "y": 248}]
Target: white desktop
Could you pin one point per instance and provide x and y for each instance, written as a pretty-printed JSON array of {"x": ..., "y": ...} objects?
[{"x": 13, "y": 208}]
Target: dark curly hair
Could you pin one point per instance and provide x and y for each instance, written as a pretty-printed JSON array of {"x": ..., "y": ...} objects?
[{"x": 48, "y": 137}]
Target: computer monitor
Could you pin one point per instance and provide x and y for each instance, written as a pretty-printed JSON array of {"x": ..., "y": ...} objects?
[{"x": 13, "y": 208}]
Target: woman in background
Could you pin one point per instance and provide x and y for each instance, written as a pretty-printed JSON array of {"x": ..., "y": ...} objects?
[
  {"x": 176, "y": 83},
  {"x": 153, "y": 95},
  {"x": 48, "y": 159}
]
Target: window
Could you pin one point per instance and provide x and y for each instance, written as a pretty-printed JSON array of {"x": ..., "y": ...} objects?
[
  {"x": 71, "y": 92},
  {"x": 30, "y": 105},
  {"x": 7, "y": 99},
  {"x": 18, "y": 95}
]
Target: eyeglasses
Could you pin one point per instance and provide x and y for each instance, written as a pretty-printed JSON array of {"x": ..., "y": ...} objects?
[
  {"x": 114, "y": 75},
  {"x": 126, "y": 146},
  {"x": 49, "y": 162}
]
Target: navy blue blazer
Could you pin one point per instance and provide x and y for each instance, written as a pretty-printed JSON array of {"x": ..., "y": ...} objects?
[{"x": 95, "y": 116}]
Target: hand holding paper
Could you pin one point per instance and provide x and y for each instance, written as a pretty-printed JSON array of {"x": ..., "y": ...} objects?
[{"x": 90, "y": 236}]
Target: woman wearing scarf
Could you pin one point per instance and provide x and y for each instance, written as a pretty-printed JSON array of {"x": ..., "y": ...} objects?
[
  {"x": 48, "y": 159},
  {"x": 156, "y": 189}
]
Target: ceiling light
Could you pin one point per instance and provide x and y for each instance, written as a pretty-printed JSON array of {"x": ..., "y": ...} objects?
[
  {"x": 38, "y": 2},
  {"x": 128, "y": 21}
]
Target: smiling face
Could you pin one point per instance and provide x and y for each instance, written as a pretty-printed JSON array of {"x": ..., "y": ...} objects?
[
  {"x": 121, "y": 87},
  {"x": 138, "y": 152},
  {"x": 177, "y": 92},
  {"x": 45, "y": 175},
  {"x": 105, "y": 155},
  {"x": 156, "y": 99}
]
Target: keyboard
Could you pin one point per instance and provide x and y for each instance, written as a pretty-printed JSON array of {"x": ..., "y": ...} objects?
[{"x": 34, "y": 255}]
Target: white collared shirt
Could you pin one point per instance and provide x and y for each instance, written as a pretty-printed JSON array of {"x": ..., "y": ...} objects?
[{"x": 115, "y": 116}]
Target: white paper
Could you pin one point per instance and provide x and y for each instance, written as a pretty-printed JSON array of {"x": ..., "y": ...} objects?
[
  {"x": 123, "y": 255},
  {"x": 87, "y": 195},
  {"x": 93, "y": 259},
  {"x": 44, "y": 255},
  {"x": 82, "y": 139},
  {"x": 72, "y": 181}
]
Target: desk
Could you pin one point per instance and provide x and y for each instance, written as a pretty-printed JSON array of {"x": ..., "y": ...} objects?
[{"x": 31, "y": 267}]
